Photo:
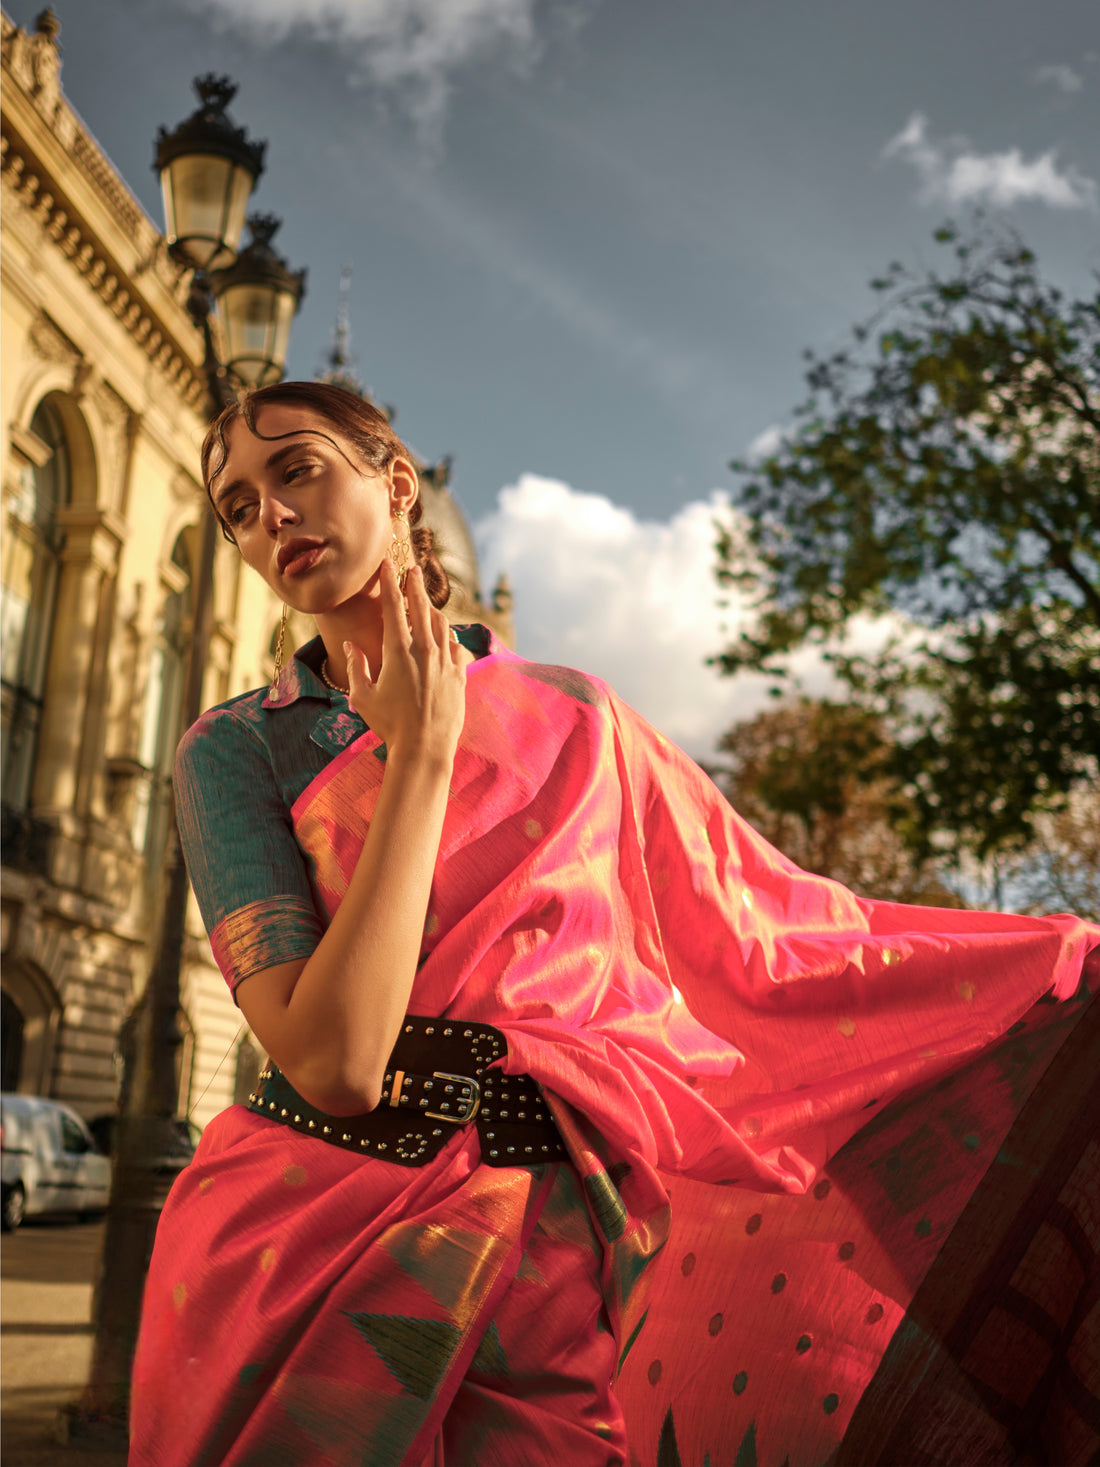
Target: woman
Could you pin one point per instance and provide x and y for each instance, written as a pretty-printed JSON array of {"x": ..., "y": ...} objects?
[{"x": 613, "y": 974}]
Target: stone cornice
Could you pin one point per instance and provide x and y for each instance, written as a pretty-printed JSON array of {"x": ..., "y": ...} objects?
[{"x": 55, "y": 169}]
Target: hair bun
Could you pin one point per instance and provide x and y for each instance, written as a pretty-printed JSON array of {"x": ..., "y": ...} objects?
[{"x": 436, "y": 582}]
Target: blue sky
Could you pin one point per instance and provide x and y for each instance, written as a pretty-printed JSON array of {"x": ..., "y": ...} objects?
[{"x": 590, "y": 239}]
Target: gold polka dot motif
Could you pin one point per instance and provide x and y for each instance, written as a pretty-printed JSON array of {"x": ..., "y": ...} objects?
[
  {"x": 267, "y": 1260},
  {"x": 294, "y": 1176},
  {"x": 846, "y": 1026},
  {"x": 179, "y": 1296}
]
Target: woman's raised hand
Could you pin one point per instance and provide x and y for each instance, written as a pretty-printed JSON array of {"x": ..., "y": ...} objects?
[{"x": 417, "y": 703}]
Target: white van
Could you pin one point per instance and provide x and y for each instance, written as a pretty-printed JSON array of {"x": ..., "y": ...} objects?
[{"x": 48, "y": 1161}]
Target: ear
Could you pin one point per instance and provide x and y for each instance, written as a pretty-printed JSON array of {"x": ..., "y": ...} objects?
[{"x": 404, "y": 484}]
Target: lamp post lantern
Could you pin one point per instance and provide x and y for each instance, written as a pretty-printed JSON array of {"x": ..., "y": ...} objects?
[
  {"x": 257, "y": 297},
  {"x": 208, "y": 169}
]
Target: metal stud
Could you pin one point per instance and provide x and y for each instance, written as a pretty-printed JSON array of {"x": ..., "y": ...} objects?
[
  {"x": 438, "y": 1131},
  {"x": 408, "y": 1028},
  {"x": 297, "y": 1120},
  {"x": 523, "y": 1115},
  {"x": 528, "y": 1150},
  {"x": 423, "y": 1102},
  {"x": 363, "y": 1142},
  {"x": 447, "y": 1033},
  {"x": 346, "y": 1136},
  {"x": 494, "y": 1153},
  {"x": 381, "y": 1146},
  {"x": 510, "y": 1150},
  {"x": 284, "y": 1111},
  {"x": 430, "y": 1029},
  {"x": 271, "y": 1105},
  {"x": 490, "y": 1135},
  {"x": 327, "y": 1130},
  {"x": 467, "y": 1034},
  {"x": 312, "y": 1125}
]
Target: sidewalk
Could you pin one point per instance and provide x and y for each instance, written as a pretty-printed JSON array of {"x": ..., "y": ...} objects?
[{"x": 45, "y": 1343}]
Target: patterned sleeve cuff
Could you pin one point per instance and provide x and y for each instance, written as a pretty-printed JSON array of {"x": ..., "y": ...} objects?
[{"x": 262, "y": 934}]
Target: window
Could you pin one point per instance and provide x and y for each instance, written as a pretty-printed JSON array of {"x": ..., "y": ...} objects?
[
  {"x": 29, "y": 571},
  {"x": 73, "y": 1138}
]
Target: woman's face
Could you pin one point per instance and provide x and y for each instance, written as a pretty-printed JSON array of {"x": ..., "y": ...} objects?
[{"x": 306, "y": 513}]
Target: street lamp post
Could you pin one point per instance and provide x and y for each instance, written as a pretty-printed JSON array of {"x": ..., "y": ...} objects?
[{"x": 208, "y": 168}]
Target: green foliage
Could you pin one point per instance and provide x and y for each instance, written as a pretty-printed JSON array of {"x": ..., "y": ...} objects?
[
  {"x": 815, "y": 778},
  {"x": 945, "y": 470}
]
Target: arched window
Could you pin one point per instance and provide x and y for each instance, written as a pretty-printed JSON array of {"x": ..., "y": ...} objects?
[
  {"x": 11, "y": 1042},
  {"x": 163, "y": 711},
  {"x": 31, "y": 561}
]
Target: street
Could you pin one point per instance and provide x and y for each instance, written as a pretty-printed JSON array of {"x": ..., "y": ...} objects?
[{"x": 46, "y": 1277}]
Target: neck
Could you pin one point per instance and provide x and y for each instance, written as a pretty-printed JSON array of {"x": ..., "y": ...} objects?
[{"x": 355, "y": 623}]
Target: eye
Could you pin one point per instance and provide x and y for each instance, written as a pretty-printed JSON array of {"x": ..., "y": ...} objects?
[
  {"x": 299, "y": 469},
  {"x": 238, "y": 512}
]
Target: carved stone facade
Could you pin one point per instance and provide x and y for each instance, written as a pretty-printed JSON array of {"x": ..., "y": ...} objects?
[
  {"x": 102, "y": 405},
  {"x": 102, "y": 401}
]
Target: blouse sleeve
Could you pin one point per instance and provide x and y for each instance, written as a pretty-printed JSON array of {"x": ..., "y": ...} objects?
[{"x": 246, "y": 867}]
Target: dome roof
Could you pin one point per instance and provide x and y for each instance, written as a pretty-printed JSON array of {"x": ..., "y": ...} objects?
[{"x": 453, "y": 542}]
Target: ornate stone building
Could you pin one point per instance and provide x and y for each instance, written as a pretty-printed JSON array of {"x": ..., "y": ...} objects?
[{"x": 102, "y": 402}]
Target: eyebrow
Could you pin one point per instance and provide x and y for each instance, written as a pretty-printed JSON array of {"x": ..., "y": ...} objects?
[{"x": 273, "y": 461}]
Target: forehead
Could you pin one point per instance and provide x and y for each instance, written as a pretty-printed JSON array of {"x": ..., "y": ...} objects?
[{"x": 246, "y": 453}]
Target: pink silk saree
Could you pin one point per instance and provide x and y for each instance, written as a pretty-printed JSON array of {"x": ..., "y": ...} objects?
[{"x": 698, "y": 1010}]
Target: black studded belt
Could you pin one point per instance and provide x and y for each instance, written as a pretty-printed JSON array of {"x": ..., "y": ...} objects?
[{"x": 438, "y": 1077}]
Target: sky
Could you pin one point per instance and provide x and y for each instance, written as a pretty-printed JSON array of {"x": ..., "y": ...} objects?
[{"x": 591, "y": 239}]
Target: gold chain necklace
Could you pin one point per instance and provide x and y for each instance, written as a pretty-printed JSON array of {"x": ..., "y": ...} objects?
[{"x": 336, "y": 688}]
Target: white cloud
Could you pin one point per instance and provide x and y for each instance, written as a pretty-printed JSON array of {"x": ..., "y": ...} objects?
[
  {"x": 412, "y": 48},
  {"x": 951, "y": 173},
  {"x": 767, "y": 443},
  {"x": 633, "y": 601},
  {"x": 1063, "y": 77}
]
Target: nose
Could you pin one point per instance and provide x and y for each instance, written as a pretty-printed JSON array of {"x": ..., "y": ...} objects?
[{"x": 276, "y": 514}]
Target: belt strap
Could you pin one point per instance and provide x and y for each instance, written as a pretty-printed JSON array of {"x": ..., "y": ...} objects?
[{"x": 438, "y": 1077}]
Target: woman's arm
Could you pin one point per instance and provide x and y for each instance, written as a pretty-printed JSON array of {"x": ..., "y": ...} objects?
[{"x": 330, "y": 1021}]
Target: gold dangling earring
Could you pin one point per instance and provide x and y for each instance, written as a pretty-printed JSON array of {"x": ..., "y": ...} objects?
[
  {"x": 280, "y": 642},
  {"x": 401, "y": 549}
]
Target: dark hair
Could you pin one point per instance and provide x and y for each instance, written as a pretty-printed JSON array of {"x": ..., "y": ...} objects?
[{"x": 360, "y": 423}]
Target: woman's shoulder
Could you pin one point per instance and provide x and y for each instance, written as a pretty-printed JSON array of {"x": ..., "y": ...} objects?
[
  {"x": 233, "y": 728},
  {"x": 499, "y": 664}
]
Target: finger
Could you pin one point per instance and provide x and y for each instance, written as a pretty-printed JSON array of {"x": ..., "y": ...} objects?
[
  {"x": 419, "y": 608},
  {"x": 359, "y": 678},
  {"x": 441, "y": 628},
  {"x": 395, "y": 624},
  {"x": 460, "y": 655}
]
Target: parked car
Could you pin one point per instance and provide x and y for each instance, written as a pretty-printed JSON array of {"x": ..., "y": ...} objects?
[{"x": 48, "y": 1162}]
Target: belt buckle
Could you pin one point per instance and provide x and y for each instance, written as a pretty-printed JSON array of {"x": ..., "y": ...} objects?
[{"x": 473, "y": 1100}]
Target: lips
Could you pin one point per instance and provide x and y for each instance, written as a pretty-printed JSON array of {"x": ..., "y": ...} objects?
[{"x": 298, "y": 555}]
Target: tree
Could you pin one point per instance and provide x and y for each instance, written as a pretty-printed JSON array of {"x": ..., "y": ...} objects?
[
  {"x": 945, "y": 472},
  {"x": 813, "y": 777}
]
